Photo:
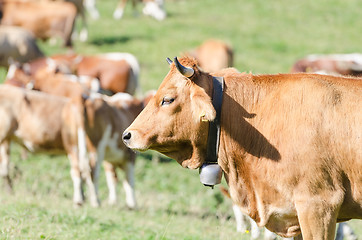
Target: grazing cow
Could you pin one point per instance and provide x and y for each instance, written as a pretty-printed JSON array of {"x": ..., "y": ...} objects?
[
  {"x": 213, "y": 55},
  {"x": 116, "y": 72},
  {"x": 52, "y": 19},
  {"x": 343, "y": 64},
  {"x": 153, "y": 8},
  {"x": 289, "y": 144},
  {"x": 17, "y": 44},
  {"x": 25, "y": 119}
]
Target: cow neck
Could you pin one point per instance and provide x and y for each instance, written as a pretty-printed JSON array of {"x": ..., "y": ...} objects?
[{"x": 213, "y": 139}]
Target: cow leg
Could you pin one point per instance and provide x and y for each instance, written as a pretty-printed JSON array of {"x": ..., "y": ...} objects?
[
  {"x": 118, "y": 13},
  {"x": 78, "y": 197},
  {"x": 268, "y": 235},
  {"x": 242, "y": 223},
  {"x": 255, "y": 230},
  {"x": 317, "y": 220},
  {"x": 91, "y": 8},
  {"x": 83, "y": 35},
  {"x": 128, "y": 184},
  {"x": 4, "y": 165},
  {"x": 345, "y": 231},
  {"x": 111, "y": 177},
  {"x": 89, "y": 173}
]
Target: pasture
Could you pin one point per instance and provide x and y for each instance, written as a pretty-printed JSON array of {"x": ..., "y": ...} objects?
[{"x": 267, "y": 37}]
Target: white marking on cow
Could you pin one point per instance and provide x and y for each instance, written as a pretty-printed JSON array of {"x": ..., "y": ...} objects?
[
  {"x": 155, "y": 9},
  {"x": 112, "y": 199},
  {"x": 355, "y": 57},
  {"x": 4, "y": 164},
  {"x": 83, "y": 35},
  {"x": 128, "y": 185},
  {"x": 132, "y": 61},
  {"x": 11, "y": 71},
  {"x": 91, "y": 8},
  {"x": 118, "y": 13},
  {"x": 77, "y": 184},
  {"x": 123, "y": 98},
  {"x": 83, "y": 160}
]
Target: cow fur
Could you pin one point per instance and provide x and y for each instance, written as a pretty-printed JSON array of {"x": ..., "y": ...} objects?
[
  {"x": 17, "y": 44},
  {"x": 25, "y": 120},
  {"x": 290, "y": 144},
  {"x": 53, "y": 19}
]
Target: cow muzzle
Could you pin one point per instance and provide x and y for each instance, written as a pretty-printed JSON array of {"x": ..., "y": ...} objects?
[{"x": 126, "y": 137}]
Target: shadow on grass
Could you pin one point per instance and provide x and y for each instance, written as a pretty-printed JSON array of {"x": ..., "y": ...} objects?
[{"x": 111, "y": 40}]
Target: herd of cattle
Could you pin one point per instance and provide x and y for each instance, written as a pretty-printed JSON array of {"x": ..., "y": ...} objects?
[{"x": 84, "y": 106}]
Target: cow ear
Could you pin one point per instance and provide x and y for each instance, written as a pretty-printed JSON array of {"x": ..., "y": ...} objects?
[{"x": 202, "y": 108}]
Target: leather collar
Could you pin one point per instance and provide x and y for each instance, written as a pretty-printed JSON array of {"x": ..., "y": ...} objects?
[{"x": 213, "y": 139}]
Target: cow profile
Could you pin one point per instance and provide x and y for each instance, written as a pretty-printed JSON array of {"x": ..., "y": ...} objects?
[{"x": 289, "y": 144}]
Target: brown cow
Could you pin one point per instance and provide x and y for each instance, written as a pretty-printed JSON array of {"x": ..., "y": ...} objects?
[
  {"x": 25, "y": 117},
  {"x": 213, "y": 55},
  {"x": 17, "y": 44},
  {"x": 116, "y": 72},
  {"x": 52, "y": 19},
  {"x": 290, "y": 144},
  {"x": 343, "y": 64}
]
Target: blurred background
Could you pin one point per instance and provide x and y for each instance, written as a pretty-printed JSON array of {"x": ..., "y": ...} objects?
[{"x": 265, "y": 37}]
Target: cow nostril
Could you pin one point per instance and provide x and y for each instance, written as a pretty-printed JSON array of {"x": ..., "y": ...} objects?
[{"x": 126, "y": 136}]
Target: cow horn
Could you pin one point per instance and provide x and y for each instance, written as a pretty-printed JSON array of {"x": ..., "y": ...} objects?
[
  {"x": 169, "y": 61},
  {"x": 186, "y": 71}
]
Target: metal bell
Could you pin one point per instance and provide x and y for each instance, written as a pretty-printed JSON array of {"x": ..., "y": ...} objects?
[{"x": 210, "y": 174}]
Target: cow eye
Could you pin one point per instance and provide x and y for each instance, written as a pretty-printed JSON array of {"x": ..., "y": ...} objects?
[{"x": 167, "y": 101}]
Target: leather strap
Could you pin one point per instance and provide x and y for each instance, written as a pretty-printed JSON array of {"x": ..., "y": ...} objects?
[{"x": 213, "y": 139}]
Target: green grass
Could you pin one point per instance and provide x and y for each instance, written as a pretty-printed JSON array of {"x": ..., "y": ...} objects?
[{"x": 267, "y": 36}]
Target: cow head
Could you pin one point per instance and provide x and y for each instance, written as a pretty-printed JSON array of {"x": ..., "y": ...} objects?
[{"x": 175, "y": 121}]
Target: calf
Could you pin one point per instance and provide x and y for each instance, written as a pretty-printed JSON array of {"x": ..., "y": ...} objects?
[
  {"x": 25, "y": 117},
  {"x": 105, "y": 120},
  {"x": 52, "y": 19}
]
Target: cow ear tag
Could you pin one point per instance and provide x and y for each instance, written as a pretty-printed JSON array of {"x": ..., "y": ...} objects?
[
  {"x": 202, "y": 117},
  {"x": 210, "y": 174}
]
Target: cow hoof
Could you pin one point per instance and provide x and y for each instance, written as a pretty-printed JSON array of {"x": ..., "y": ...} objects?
[
  {"x": 8, "y": 187},
  {"x": 95, "y": 204},
  {"x": 77, "y": 205},
  {"x": 118, "y": 14}
]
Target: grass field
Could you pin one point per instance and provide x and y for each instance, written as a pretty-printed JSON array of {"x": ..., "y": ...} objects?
[{"x": 267, "y": 37}]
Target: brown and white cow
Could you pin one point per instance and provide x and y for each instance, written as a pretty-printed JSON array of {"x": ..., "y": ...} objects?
[
  {"x": 52, "y": 19},
  {"x": 290, "y": 144},
  {"x": 38, "y": 121},
  {"x": 116, "y": 72},
  {"x": 343, "y": 64},
  {"x": 213, "y": 55},
  {"x": 17, "y": 44},
  {"x": 105, "y": 120}
]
